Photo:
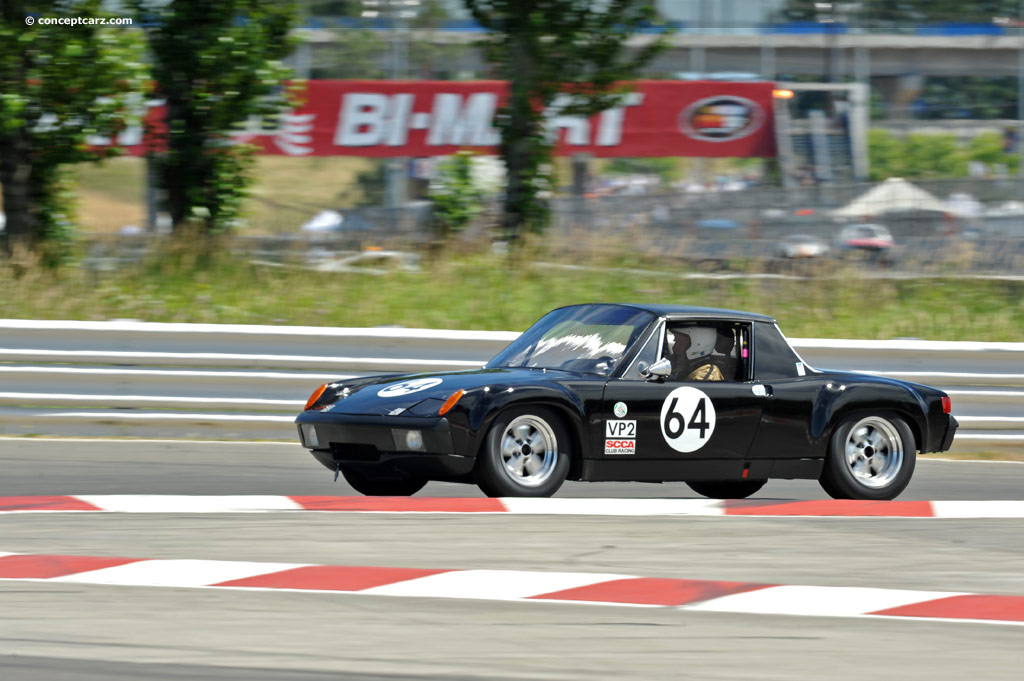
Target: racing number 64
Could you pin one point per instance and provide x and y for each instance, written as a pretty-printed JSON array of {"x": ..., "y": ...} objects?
[
  {"x": 675, "y": 422},
  {"x": 687, "y": 419}
]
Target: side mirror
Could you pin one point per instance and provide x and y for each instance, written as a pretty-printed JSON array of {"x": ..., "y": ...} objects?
[{"x": 659, "y": 369}]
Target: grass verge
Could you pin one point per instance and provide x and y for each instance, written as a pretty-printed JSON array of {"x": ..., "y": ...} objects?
[{"x": 499, "y": 292}]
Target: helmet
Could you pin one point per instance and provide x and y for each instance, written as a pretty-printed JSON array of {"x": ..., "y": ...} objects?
[{"x": 702, "y": 342}]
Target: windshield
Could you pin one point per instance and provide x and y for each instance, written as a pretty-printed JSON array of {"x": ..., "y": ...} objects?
[{"x": 584, "y": 338}]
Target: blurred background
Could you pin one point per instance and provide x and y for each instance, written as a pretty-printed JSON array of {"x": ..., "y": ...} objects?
[{"x": 762, "y": 138}]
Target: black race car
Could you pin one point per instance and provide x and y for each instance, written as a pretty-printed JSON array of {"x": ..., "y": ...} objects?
[{"x": 601, "y": 392}]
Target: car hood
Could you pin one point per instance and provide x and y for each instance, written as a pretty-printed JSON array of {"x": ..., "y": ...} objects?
[{"x": 423, "y": 394}]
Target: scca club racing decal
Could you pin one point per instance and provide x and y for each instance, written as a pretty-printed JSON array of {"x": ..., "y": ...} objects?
[
  {"x": 687, "y": 419},
  {"x": 406, "y": 387},
  {"x": 721, "y": 119},
  {"x": 620, "y": 437}
]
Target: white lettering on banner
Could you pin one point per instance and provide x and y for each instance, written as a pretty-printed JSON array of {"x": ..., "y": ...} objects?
[
  {"x": 456, "y": 123},
  {"x": 361, "y": 123},
  {"x": 370, "y": 119},
  {"x": 398, "y": 119},
  {"x": 609, "y": 127},
  {"x": 294, "y": 137},
  {"x": 609, "y": 122},
  {"x": 577, "y": 128}
]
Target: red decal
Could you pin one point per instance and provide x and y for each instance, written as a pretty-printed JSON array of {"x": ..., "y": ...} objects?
[
  {"x": 400, "y": 504},
  {"x": 48, "y": 567},
  {"x": 44, "y": 503},
  {"x": 968, "y": 607},
  {"x": 332, "y": 578},
  {"x": 833, "y": 507},
  {"x": 652, "y": 591}
]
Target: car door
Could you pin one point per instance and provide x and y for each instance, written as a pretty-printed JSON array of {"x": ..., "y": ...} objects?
[{"x": 680, "y": 418}]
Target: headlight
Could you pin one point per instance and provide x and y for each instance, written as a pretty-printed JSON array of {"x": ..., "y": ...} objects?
[
  {"x": 309, "y": 438},
  {"x": 411, "y": 440}
]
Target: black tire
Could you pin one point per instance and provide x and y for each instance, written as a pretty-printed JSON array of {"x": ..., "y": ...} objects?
[
  {"x": 504, "y": 464},
  {"x": 372, "y": 486},
  {"x": 870, "y": 456},
  {"x": 726, "y": 489}
]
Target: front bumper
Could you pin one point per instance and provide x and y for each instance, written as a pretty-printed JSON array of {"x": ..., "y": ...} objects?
[{"x": 378, "y": 444}]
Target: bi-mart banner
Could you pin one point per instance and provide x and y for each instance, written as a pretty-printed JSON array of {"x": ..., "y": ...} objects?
[{"x": 381, "y": 118}]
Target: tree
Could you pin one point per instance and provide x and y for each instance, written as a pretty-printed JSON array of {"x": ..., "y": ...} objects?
[
  {"x": 216, "y": 64},
  {"x": 59, "y": 85},
  {"x": 572, "y": 51},
  {"x": 455, "y": 196}
]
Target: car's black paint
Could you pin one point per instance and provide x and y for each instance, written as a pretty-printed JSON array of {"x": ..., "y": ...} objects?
[{"x": 776, "y": 423}]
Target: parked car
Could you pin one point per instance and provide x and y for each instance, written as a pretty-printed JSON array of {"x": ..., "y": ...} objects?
[
  {"x": 801, "y": 246},
  {"x": 871, "y": 241},
  {"x": 608, "y": 392}
]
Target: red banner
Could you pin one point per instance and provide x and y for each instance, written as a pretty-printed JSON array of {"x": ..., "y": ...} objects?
[{"x": 380, "y": 118}]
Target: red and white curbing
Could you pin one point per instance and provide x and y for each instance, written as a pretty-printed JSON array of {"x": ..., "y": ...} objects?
[
  {"x": 520, "y": 585},
  {"x": 133, "y": 503}
]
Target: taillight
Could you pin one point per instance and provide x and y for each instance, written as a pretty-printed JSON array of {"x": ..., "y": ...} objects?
[
  {"x": 450, "y": 402},
  {"x": 947, "y": 404},
  {"x": 315, "y": 396}
]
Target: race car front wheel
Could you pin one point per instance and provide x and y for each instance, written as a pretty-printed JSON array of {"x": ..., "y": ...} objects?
[
  {"x": 726, "y": 489},
  {"x": 373, "y": 486},
  {"x": 870, "y": 457},
  {"x": 526, "y": 454}
]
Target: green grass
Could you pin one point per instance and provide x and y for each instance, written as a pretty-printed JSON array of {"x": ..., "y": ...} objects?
[{"x": 486, "y": 291}]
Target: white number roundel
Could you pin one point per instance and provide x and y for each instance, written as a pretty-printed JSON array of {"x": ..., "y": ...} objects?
[
  {"x": 406, "y": 387},
  {"x": 687, "y": 419}
]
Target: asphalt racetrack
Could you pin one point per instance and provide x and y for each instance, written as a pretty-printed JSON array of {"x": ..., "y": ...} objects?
[{"x": 56, "y": 630}]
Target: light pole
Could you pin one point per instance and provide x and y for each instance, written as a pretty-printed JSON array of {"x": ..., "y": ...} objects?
[
  {"x": 1020, "y": 97},
  {"x": 398, "y": 13}
]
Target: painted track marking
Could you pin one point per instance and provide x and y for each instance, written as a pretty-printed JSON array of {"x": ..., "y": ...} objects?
[
  {"x": 519, "y": 585},
  {"x": 826, "y": 508}
]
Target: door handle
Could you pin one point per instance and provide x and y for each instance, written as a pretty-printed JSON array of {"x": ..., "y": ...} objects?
[{"x": 761, "y": 390}]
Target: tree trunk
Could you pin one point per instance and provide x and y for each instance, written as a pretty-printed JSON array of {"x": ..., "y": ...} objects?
[
  {"x": 15, "y": 163},
  {"x": 171, "y": 171},
  {"x": 22, "y": 226},
  {"x": 516, "y": 141}
]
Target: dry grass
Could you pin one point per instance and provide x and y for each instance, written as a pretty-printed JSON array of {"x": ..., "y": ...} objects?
[{"x": 286, "y": 192}]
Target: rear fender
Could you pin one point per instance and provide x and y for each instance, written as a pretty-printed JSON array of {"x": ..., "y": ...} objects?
[{"x": 834, "y": 405}]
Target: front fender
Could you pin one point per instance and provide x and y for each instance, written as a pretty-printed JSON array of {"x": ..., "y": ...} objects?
[{"x": 476, "y": 412}]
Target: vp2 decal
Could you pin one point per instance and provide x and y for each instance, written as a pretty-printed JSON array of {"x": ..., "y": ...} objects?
[
  {"x": 687, "y": 419},
  {"x": 620, "y": 437},
  {"x": 620, "y": 429}
]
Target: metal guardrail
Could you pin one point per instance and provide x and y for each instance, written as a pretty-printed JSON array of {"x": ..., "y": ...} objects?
[{"x": 232, "y": 381}]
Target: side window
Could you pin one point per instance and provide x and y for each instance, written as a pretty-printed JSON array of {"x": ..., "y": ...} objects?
[
  {"x": 649, "y": 354},
  {"x": 708, "y": 351}
]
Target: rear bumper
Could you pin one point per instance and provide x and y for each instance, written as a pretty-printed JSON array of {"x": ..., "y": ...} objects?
[{"x": 947, "y": 439}]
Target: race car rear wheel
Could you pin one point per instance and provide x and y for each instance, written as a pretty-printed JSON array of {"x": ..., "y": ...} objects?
[
  {"x": 870, "y": 457},
  {"x": 373, "y": 486},
  {"x": 526, "y": 454},
  {"x": 726, "y": 489}
]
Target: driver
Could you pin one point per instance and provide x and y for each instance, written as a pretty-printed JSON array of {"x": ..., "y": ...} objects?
[{"x": 690, "y": 352}]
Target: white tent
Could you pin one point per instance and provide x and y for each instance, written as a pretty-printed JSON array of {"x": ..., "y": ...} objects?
[{"x": 891, "y": 196}]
